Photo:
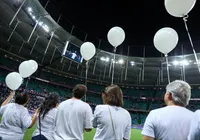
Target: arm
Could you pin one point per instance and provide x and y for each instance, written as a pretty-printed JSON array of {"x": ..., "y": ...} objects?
[
  {"x": 27, "y": 120},
  {"x": 8, "y": 99},
  {"x": 127, "y": 133},
  {"x": 148, "y": 129},
  {"x": 147, "y": 138},
  {"x": 88, "y": 119},
  {"x": 34, "y": 118},
  {"x": 195, "y": 127},
  {"x": 94, "y": 121}
]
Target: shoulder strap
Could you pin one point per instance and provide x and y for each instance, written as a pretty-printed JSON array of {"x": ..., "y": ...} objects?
[{"x": 112, "y": 123}]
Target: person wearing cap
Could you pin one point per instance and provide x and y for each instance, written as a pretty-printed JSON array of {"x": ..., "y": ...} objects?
[{"x": 173, "y": 121}]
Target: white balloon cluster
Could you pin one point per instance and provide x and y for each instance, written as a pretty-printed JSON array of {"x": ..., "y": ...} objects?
[
  {"x": 26, "y": 69},
  {"x": 166, "y": 39}
]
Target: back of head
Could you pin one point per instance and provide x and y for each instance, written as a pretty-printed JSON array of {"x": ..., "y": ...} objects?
[
  {"x": 79, "y": 91},
  {"x": 49, "y": 103},
  {"x": 181, "y": 92},
  {"x": 21, "y": 98},
  {"x": 113, "y": 96}
]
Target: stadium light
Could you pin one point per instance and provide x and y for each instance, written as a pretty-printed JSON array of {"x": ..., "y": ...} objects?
[
  {"x": 184, "y": 62},
  {"x": 176, "y": 63},
  {"x": 121, "y": 61},
  {"x": 181, "y": 63},
  {"x": 105, "y": 59},
  {"x": 29, "y": 9},
  {"x": 132, "y": 63}
]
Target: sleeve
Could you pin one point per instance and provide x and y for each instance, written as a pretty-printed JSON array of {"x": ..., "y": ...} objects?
[
  {"x": 195, "y": 127},
  {"x": 96, "y": 112},
  {"x": 88, "y": 117},
  {"x": 148, "y": 129},
  {"x": 127, "y": 133},
  {"x": 3, "y": 108},
  {"x": 26, "y": 119}
]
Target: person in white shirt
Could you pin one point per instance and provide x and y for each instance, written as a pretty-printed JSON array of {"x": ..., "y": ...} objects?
[
  {"x": 15, "y": 117},
  {"x": 73, "y": 116},
  {"x": 46, "y": 118},
  {"x": 111, "y": 121},
  {"x": 74, "y": 55},
  {"x": 173, "y": 121},
  {"x": 194, "y": 133}
]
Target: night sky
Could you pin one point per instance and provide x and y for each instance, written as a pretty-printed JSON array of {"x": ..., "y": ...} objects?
[{"x": 140, "y": 20}]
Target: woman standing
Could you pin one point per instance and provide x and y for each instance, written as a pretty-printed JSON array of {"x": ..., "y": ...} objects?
[
  {"x": 15, "y": 117},
  {"x": 46, "y": 119},
  {"x": 111, "y": 120}
]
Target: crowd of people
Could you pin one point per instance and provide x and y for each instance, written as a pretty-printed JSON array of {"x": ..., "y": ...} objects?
[{"x": 69, "y": 119}]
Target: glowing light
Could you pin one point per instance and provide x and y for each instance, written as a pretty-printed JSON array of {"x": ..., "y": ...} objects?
[{"x": 121, "y": 61}]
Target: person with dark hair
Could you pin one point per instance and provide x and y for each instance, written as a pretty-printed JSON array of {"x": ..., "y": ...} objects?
[
  {"x": 15, "y": 117},
  {"x": 111, "y": 121},
  {"x": 46, "y": 118},
  {"x": 73, "y": 116}
]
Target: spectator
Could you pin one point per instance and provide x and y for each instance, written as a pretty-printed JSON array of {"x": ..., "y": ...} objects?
[
  {"x": 111, "y": 120},
  {"x": 194, "y": 133},
  {"x": 15, "y": 117},
  {"x": 73, "y": 116},
  {"x": 46, "y": 119},
  {"x": 173, "y": 121}
]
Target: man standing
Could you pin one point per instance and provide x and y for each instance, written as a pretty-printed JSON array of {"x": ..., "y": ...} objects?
[
  {"x": 173, "y": 121},
  {"x": 73, "y": 116}
]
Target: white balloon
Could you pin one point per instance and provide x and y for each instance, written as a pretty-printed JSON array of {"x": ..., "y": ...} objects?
[
  {"x": 116, "y": 36},
  {"x": 87, "y": 50},
  {"x": 34, "y": 65},
  {"x": 179, "y": 8},
  {"x": 165, "y": 40},
  {"x": 13, "y": 80},
  {"x": 27, "y": 68}
]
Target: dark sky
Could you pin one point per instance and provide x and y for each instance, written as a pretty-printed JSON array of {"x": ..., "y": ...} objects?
[{"x": 140, "y": 20}]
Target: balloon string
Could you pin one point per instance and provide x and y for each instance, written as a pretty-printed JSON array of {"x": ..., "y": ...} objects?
[
  {"x": 166, "y": 56},
  {"x": 191, "y": 42},
  {"x": 113, "y": 62},
  {"x": 86, "y": 74}
]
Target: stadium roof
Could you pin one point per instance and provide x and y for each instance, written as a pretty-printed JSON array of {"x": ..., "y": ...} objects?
[{"x": 46, "y": 43}]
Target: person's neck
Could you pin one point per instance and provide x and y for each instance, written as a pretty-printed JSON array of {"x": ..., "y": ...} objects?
[
  {"x": 172, "y": 104},
  {"x": 74, "y": 98}
]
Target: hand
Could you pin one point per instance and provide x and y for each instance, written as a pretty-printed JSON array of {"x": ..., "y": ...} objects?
[
  {"x": 12, "y": 93},
  {"x": 37, "y": 111}
]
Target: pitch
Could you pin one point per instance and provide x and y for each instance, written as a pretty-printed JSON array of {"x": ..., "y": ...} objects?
[{"x": 135, "y": 134}]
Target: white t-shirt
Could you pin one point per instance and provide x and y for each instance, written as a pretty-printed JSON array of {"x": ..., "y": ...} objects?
[
  {"x": 73, "y": 116},
  {"x": 15, "y": 120},
  {"x": 194, "y": 133},
  {"x": 168, "y": 123},
  {"x": 73, "y": 55},
  {"x": 103, "y": 122},
  {"x": 47, "y": 124}
]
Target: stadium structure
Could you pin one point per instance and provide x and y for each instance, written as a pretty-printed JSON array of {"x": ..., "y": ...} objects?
[{"x": 30, "y": 30}]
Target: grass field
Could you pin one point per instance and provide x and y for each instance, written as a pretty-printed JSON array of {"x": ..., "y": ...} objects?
[{"x": 135, "y": 134}]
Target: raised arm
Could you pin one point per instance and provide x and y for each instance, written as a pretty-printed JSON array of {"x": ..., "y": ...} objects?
[
  {"x": 8, "y": 99},
  {"x": 34, "y": 118}
]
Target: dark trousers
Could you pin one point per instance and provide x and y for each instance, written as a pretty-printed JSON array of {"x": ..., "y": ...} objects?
[{"x": 39, "y": 137}]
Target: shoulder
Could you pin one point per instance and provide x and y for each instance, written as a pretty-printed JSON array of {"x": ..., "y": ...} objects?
[
  {"x": 156, "y": 111},
  {"x": 101, "y": 107},
  {"x": 197, "y": 112}
]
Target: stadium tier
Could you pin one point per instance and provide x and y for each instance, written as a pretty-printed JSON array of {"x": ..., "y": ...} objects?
[{"x": 138, "y": 101}]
